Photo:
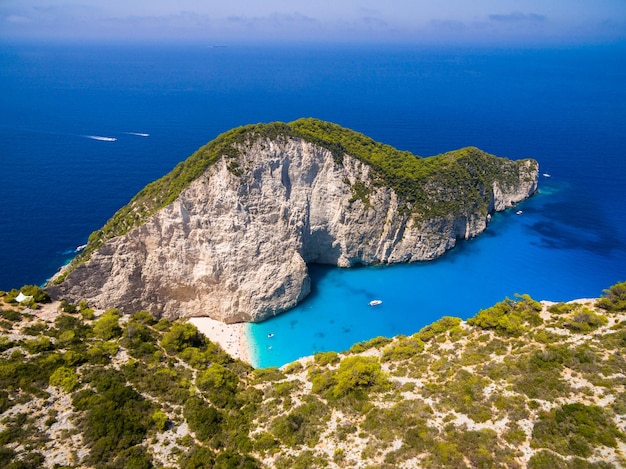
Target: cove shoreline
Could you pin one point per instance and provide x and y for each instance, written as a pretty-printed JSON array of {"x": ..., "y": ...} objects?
[{"x": 231, "y": 337}]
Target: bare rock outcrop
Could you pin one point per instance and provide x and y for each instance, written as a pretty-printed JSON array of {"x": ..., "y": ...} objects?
[{"x": 234, "y": 245}]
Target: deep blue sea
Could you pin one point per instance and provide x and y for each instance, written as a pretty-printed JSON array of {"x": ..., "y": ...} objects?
[{"x": 565, "y": 107}]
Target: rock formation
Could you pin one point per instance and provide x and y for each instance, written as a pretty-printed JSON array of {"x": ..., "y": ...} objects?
[{"x": 235, "y": 242}]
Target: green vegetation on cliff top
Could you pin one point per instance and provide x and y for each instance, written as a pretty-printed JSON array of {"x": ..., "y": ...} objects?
[{"x": 441, "y": 185}]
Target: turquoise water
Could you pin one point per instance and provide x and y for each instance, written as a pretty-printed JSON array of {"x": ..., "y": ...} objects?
[{"x": 512, "y": 257}]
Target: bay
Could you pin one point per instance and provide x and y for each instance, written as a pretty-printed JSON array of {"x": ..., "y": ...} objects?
[{"x": 565, "y": 107}]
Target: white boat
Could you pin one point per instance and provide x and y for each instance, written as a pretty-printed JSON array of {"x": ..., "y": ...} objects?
[
  {"x": 375, "y": 302},
  {"x": 270, "y": 335},
  {"x": 546, "y": 175},
  {"x": 519, "y": 212},
  {"x": 102, "y": 139}
]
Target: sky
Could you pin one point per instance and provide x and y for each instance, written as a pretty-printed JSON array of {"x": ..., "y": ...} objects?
[{"x": 413, "y": 21}]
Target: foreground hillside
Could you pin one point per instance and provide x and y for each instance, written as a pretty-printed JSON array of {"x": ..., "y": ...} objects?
[{"x": 521, "y": 384}]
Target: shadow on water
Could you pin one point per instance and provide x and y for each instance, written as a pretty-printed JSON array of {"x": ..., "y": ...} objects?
[
  {"x": 319, "y": 273},
  {"x": 577, "y": 226}
]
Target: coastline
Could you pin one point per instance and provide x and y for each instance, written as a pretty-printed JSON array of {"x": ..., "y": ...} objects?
[{"x": 231, "y": 337}]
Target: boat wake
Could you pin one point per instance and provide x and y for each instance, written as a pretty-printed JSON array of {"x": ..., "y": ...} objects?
[{"x": 100, "y": 138}]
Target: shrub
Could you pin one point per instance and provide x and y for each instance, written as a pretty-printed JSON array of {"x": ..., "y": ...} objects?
[
  {"x": 107, "y": 327},
  {"x": 168, "y": 384},
  {"x": 574, "y": 429},
  {"x": 65, "y": 378},
  {"x": 293, "y": 367},
  {"x": 563, "y": 308},
  {"x": 160, "y": 420},
  {"x": 584, "y": 320},
  {"x": 402, "y": 349},
  {"x": 116, "y": 417},
  {"x": 180, "y": 336},
  {"x": 6, "y": 456},
  {"x": 441, "y": 326},
  {"x": 135, "y": 457},
  {"x": 544, "y": 459},
  {"x": 39, "y": 294},
  {"x": 376, "y": 342},
  {"x": 6, "y": 343},
  {"x": 262, "y": 375},
  {"x": 614, "y": 299},
  {"x": 198, "y": 458},
  {"x": 231, "y": 459},
  {"x": 144, "y": 317},
  {"x": 67, "y": 307},
  {"x": 12, "y": 315},
  {"x": 265, "y": 442},
  {"x": 326, "y": 358},
  {"x": 219, "y": 383},
  {"x": 357, "y": 374},
  {"x": 203, "y": 419},
  {"x": 303, "y": 425},
  {"x": 39, "y": 344},
  {"x": 509, "y": 318},
  {"x": 100, "y": 353},
  {"x": 139, "y": 339}
]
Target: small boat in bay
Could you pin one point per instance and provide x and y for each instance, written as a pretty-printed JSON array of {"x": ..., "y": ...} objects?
[{"x": 375, "y": 302}]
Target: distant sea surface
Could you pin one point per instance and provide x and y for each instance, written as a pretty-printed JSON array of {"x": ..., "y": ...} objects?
[{"x": 84, "y": 128}]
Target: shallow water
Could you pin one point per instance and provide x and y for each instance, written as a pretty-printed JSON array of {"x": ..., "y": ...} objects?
[{"x": 530, "y": 253}]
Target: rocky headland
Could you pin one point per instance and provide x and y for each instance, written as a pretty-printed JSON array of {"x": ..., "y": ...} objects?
[{"x": 229, "y": 233}]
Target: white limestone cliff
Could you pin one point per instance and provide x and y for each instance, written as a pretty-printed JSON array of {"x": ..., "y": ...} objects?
[{"x": 235, "y": 247}]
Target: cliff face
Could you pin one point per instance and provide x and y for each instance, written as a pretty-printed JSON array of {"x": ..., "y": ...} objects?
[{"x": 234, "y": 245}]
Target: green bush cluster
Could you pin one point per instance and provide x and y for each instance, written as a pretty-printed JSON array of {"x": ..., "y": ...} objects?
[
  {"x": 303, "y": 425},
  {"x": 326, "y": 358},
  {"x": 220, "y": 385},
  {"x": 402, "y": 348},
  {"x": 182, "y": 336},
  {"x": 107, "y": 327},
  {"x": 355, "y": 376},
  {"x": 65, "y": 378},
  {"x": 139, "y": 338},
  {"x": 575, "y": 429},
  {"x": 614, "y": 299},
  {"x": 376, "y": 342},
  {"x": 440, "y": 328},
  {"x": 38, "y": 294},
  {"x": 114, "y": 417},
  {"x": 509, "y": 317},
  {"x": 547, "y": 459},
  {"x": 537, "y": 374},
  {"x": 204, "y": 420},
  {"x": 584, "y": 320}
]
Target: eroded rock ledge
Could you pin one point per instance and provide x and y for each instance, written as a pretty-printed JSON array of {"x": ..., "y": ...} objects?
[{"x": 235, "y": 243}]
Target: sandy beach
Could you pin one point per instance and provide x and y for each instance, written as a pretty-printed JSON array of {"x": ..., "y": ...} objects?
[{"x": 232, "y": 337}]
